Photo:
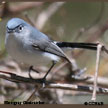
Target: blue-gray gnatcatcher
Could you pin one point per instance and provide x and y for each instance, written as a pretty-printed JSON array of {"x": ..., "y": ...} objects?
[{"x": 28, "y": 45}]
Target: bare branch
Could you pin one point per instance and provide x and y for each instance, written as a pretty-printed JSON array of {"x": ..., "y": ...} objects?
[
  {"x": 38, "y": 82},
  {"x": 101, "y": 81},
  {"x": 99, "y": 47},
  {"x": 76, "y": 87}
]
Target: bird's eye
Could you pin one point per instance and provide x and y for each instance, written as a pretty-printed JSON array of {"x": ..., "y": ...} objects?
[{"x": 20, "y": 28}]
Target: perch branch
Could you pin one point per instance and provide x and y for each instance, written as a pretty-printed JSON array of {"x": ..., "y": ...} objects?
[
  {"x": 101, "y": 81},
  {"x": 16, "y": 78}
]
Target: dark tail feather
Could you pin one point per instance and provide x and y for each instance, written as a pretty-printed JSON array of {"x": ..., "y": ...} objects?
[{"x": 91, "y": 46}]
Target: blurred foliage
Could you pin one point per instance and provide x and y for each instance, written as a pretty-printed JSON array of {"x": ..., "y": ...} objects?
[{"x": 64, "y": 25}]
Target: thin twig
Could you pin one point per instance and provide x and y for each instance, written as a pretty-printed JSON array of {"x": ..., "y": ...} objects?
[
  {"x": 31, "y": 96},
  {"x": 99, "y": 47},
  {"x": 29, "y": 20}
]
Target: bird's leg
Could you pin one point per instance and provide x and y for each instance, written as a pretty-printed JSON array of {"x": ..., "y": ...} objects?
[
  {"x": 31, "y": 69},
  {"x": 44, "y": 78}
]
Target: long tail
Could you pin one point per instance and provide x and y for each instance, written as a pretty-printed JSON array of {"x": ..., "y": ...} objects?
[{"x": 91, "y": 46}]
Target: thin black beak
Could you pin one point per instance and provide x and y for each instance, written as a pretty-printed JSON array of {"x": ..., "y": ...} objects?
[{"x": 9, "y": 30}]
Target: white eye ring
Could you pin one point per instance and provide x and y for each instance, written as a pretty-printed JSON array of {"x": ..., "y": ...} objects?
[{"x": 20, "y": 28}]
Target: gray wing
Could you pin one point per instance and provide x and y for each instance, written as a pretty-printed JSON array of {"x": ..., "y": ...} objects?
[
  {"x": 43, "y": 43},
  {"x": 48, "y": 46}
]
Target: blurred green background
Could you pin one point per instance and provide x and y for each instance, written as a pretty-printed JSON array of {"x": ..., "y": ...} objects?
[{"x": 65, "y": 21}]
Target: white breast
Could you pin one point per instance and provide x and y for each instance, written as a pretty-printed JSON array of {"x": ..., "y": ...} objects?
[{"x": 28, "y": 56}]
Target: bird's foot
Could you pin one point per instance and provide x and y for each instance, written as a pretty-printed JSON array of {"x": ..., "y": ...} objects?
[
  {"x": 31, "y": 69},
  {"x": 43, "y": 82}
]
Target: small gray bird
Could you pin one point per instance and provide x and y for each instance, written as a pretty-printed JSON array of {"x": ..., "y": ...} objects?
[{"x": 28, "y": 45}]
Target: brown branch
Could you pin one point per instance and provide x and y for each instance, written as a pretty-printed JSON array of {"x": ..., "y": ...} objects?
[{"x": 16, "y": 78}]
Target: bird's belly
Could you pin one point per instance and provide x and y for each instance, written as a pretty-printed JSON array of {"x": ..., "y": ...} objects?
[{"x": 29, "y": 56}]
